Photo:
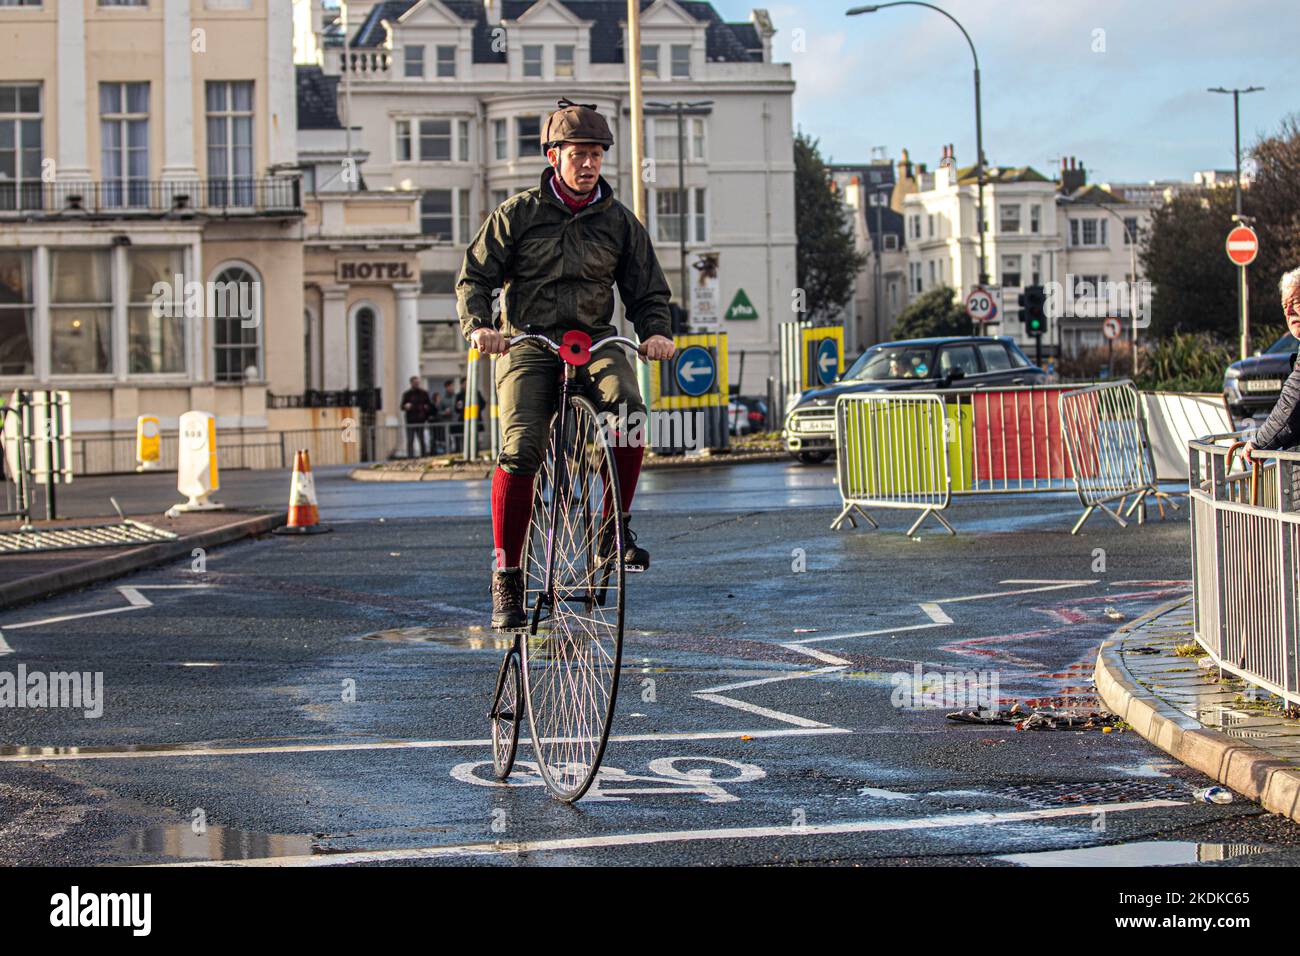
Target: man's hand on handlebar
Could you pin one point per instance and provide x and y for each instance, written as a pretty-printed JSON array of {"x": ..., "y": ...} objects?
[
  {"x": 1248, "y": 453},
  {"x": 658, "y": 348},
  {"x": 490, "y": 341}
]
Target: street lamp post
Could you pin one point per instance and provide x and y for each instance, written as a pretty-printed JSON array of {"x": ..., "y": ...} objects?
[
  {"x": 697, "y": 108},
  {"x": 1243, "y": 291},
  {"x": 979, "y": 123}
]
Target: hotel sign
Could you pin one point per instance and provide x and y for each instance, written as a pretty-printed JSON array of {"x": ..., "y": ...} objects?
[{"x": 376, "y": 270}]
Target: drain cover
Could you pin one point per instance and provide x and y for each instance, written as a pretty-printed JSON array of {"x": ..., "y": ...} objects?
[
  {"x": 1105, "y": 791},
  {"x": 27, "y": 540}
]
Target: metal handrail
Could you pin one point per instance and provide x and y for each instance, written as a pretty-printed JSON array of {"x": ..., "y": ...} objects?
[{"x": 1245, "y": 556}]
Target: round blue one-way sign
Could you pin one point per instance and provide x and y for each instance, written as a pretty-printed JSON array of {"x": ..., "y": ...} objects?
[
  {"x": 828, "y": 361},
  {"x": 695, "y": 370}
]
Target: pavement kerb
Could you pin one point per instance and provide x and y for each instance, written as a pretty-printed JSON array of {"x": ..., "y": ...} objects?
[
  {"x": 102, "y": 569},
  {"x": 1254, "y": 773}
]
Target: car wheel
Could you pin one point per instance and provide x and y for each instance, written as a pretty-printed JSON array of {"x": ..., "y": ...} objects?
[{"x": 813, "y": 457}]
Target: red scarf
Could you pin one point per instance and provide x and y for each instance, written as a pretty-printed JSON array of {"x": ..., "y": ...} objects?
[{"x": 573, "y": 203}]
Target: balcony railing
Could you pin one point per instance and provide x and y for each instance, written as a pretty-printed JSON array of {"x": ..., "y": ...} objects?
[
  {"x": 366, "y": 399},
  {"x": 140, "y": 197}
]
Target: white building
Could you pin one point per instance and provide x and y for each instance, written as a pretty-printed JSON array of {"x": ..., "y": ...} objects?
[
  {"x": 1039, "y": 231},
  {"x": 447, "y": 97}
]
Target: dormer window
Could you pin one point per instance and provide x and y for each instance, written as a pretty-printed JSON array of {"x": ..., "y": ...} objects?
[
  {"x": 413, "y": 57},
  {"x": 447, "y": 62},
  {"x": 649, "y": 61},
  {"x": 564, "y": 60},
  {"x": 533, "y": 61},
  {"x": 681, "y": 62}
]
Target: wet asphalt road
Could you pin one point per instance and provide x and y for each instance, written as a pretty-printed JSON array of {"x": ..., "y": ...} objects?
[{"x": 241, "y": 686}]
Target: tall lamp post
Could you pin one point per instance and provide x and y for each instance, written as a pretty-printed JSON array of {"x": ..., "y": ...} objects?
[
  {"x": 979, "y": 123},
  {"x": 695, "y": 108},
  {"x": 1243, "y": 291}
]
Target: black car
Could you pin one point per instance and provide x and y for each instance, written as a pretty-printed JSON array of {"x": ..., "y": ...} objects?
[
  {"x": 1251, "y": 386},
  {"x": 957, "y": 362}
]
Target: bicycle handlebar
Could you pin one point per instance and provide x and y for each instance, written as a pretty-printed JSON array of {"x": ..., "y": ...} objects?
[{"x": 554, "y": 346}]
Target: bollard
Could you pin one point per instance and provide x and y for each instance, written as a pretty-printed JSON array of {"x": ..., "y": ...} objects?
[{"x": 197, "y": 475}]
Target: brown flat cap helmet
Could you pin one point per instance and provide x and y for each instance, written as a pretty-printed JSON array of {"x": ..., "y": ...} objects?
[{"x": 575, "y": 123}]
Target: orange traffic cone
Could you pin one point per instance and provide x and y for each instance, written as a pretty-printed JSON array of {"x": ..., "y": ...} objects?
[{"x": 303, "y": 516}]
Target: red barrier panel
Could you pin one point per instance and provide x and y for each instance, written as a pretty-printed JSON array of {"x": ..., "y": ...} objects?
[{"x": 1019, "y": 438}]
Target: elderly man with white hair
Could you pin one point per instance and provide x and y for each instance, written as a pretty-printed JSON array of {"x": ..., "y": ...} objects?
[{"x": 1282, "y": 429}]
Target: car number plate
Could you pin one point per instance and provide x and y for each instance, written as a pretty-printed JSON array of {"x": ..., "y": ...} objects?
[
  {"x": 1263, "y": 384},
  {"x": 818, "y": 425}
]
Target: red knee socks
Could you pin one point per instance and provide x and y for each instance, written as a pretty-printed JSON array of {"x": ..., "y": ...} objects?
[
  {"x": 627, "y": 461},
  {"x": 512, "y": 509}
]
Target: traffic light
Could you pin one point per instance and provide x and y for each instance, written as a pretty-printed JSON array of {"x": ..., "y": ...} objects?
[
  {"x": 680, "y": 319},
  {"x": 1032, "y": 310}
]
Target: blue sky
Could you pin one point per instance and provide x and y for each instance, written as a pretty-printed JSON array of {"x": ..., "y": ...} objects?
[{"x": 1137, "y": 111}]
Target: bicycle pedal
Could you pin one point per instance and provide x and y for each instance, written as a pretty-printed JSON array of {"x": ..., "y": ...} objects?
[{"x": 634, "y": 568}]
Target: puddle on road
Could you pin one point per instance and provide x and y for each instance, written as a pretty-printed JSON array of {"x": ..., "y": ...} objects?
[
  {"x": 1150, "y": 853},
  {"x": 471, "y": 637},
  {"x": 180, "y": 842}
]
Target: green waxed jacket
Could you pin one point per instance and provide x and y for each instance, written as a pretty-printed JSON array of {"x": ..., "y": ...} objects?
[{"x": 558, "y": 268}]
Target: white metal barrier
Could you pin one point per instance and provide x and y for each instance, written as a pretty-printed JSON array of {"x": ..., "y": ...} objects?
[
  {"x": 1106, "y": 436},
  {"x": 917, "y": 450},
  {"x": 1245, "y": 558}
]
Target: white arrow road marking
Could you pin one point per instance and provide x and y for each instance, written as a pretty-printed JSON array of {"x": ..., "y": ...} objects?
[
  {"x": 135, "y": 602},
  {"x": 942, "y": 822}
]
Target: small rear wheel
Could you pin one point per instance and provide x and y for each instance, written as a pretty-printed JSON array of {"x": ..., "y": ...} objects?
[{"x": 506, "y": 706}]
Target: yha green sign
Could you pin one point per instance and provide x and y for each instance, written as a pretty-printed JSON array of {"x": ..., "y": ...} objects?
[{"x": 741, "y": 308}]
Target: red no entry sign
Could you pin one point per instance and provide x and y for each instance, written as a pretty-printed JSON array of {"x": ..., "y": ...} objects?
[{"x": 1242, "y": 245}]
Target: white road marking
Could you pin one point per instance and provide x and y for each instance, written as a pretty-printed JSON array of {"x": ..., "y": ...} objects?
[
  {"x": 56, "y": 753},
  {"x": 1044, "y": 586},
  {"x": 942, "y": 822},
  {"x": 813, "y": 652},
  {"x": 768, "y": 680},
  {"x": 939, "y": 618},
  {"x": 135, "y": 602},
  {"x": 762, "y": 711},
  {"x": 935, "y": 613}
]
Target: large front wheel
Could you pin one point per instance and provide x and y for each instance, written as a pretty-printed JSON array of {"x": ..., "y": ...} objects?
[{"x": 573, "y": 575}]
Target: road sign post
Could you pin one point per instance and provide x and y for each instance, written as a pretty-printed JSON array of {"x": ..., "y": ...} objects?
[{"x": 1242, "y": 247}]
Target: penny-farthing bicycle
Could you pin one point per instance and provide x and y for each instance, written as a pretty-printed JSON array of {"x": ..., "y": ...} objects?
[{"x": 563, "y": 666}]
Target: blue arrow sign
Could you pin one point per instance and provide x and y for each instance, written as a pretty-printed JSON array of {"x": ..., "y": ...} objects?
[
  {"x": 695, "y": 370},
  {"x": 828, "y": 361}
]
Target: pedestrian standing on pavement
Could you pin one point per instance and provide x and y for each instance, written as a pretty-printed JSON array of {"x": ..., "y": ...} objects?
[
  {"x": 1282, "y": 429},
  {"x": 417, "y": 405}
]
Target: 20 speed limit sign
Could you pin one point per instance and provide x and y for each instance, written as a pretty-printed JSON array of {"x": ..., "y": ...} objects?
[{"x": 981, "y": 305}]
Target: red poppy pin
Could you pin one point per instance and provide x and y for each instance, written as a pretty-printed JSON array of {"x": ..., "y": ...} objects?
[{"x": 575, "y": 347}]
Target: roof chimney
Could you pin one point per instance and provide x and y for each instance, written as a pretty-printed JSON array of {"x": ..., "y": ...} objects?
[{"x": 1073, "y": 178}]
